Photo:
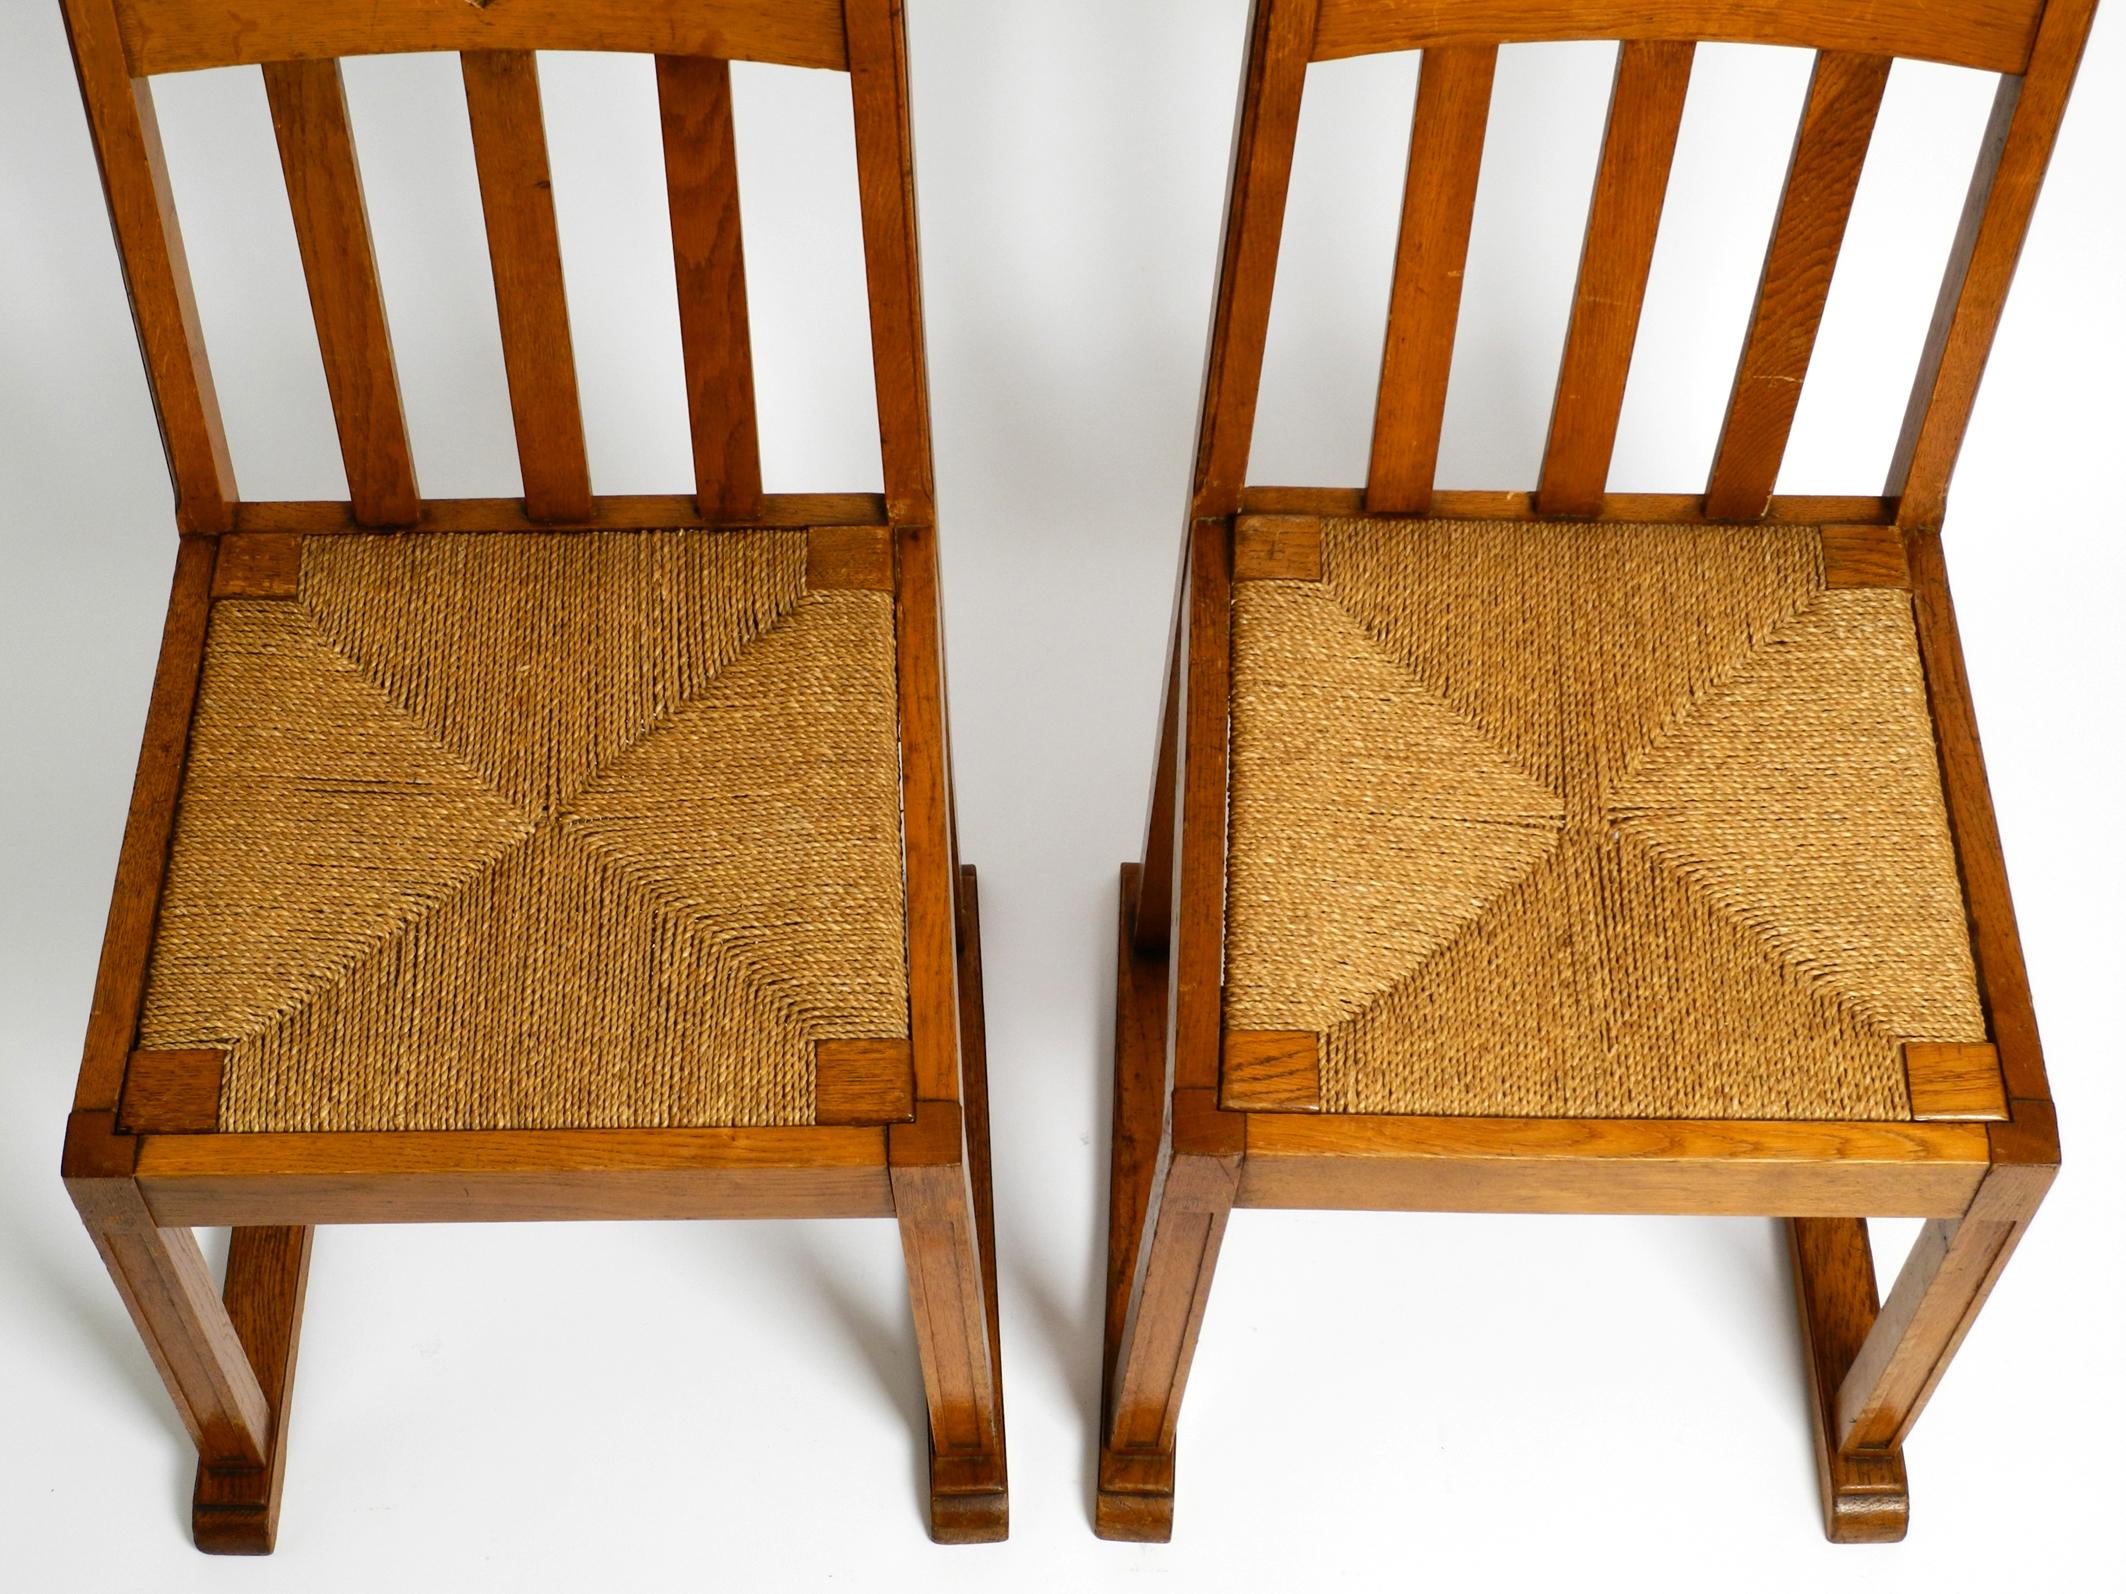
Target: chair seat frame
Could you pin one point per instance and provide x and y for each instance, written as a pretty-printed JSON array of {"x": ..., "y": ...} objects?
[
  {"x": 1185, "y": 1152},
  {"x": 227, "y": 1355}
]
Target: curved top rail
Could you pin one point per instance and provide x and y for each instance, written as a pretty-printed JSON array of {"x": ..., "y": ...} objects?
[
  {"x": 186, "y": 35},
  {"x": 1994, "y": 35}
]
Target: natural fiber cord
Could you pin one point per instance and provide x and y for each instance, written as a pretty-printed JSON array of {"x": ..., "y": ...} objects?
[
  {"x": 569, "y": 830},
  {"x": 1590, "y": 821}
]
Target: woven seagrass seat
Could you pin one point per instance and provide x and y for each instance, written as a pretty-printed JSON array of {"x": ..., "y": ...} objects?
[
  {"x": 568, "y": 856},
  {"x": 1581, "y": 851},
  {"x": 549, "y": 831},
  {"x": 1604, "y": 821}
]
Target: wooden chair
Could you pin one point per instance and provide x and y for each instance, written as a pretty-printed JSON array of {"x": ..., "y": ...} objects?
[
  {"x": 1578, "y": 851},
  {"x": 571, "y": 857}
]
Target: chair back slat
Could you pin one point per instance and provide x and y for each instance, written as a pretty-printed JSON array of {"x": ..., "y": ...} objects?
[
  {"x": 151, "y": 252},
  {"x": 309, "y": 106},
  {"x": 516, "y": 192},
  {"x": 1254, "y": 226},
  {"x": 885, "y": 182},
  {"x": 1837, "y": 122},
  {"x": 708, "y": 257},
  {"x": 1439, "y": 200},
  {"x": 1645, "y": 111},
  {"x": 185, "y": 35},
  {"x": 1993, "y": 35},
  {"x": 2004, "y": 188}
]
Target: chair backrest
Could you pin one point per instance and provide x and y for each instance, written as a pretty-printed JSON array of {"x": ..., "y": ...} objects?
[
  {"x": 120, "y": 44},
  {"x": 2035, "y": 46}
]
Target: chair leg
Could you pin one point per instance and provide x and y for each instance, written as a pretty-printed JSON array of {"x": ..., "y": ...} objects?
[
  {"x": 206, "y": 1350},
  {"x": 942, "y": 1193},
  {"x": 1172, "y": 1180},
  {"x": 1865, "y": 1498}
]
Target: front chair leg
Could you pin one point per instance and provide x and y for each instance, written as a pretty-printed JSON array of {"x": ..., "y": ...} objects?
[{"x": 208, "y": 1348}]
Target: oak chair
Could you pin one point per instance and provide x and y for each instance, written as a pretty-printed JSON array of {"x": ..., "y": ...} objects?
[
  {"x": 1576, "y": 851},
  {"x": 556, "y": 858}
]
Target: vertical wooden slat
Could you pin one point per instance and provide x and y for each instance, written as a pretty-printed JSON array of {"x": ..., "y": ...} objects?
[
  {"x": 136, "y": 186},
  {"x": 2004, "y": 190},
  {"x": 517, "y": 192},
  {"x": 1645, "y": 110},
  {"x": 708, "y": 256},
  {"x": 1439, "y": 198},
  {"x": 1837, "y": 122},
  {"x": 1278, "y": 46},
  {"x": 885, "y": 178},
  {"x": 309, "y": 105}
]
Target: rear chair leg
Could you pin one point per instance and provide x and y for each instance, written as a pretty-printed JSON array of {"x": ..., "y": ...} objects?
[
  {"x": 1171, "y": 1185},
  {"x": 941, "y": 1191},
  {"x": 209, "y": 1349}
]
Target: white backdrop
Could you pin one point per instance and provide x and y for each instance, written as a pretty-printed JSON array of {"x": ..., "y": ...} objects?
[{"x": 1389, "y": 1401}]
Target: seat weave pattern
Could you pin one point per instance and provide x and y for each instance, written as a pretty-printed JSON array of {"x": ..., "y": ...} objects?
[
  {"x": 567, "y": 830},
  {"x": 1590, "y": 821}
]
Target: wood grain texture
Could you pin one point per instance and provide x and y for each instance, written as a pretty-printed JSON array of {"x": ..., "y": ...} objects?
[
  {"x": 1950, "y": 1081},
  {"x": 309, "y": 106},
  {"x": 926, "y": 821},
  {"x": 136, "y": 186},
  {"x": 1153, "y": 894},
  {"x": 1688, "y": 509},
  {"x": 184, "y": 35},
  {"x": 259, "y": 564},
  {"x": 1424, "y": 303},
  {"x": 236, "y": 1511},
  {"x": 1631, "y": 181},
  {"x": 1618, "y": 1165},
  {"x": 864, "y": 1082},
  {"x": 1864, "y": 556},
  {"x": 122, "y": 967},
  {"x": 708, "y": 256},
  {"x": 1276, "y": 548},
  {"x": 1837, "y": 123},
  {"x": 1271, "y": 1071},
  {"x": 524, "y": 248},
  {"x": 171, "y": 1093},
  {"x": 1197, "y": 966},
  {"x": 1992, "y": 34},
  {"x": 612, "y": 512},
  {"x": 844, "y": 557},
  {"x": 514, "y": 1176},
  {"x": 1865, "y": 1497},
  {"x": 885, "y": 180},
  {"x": 1997, "y": 946},
  {"x": 1278, "y": 44}
]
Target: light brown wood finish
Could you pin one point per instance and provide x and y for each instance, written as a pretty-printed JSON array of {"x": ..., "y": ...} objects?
[
  {"x": 236, "y": 1511},
  {"x": 1439, "y": 199},
  {"x": 1837, "y": 122},
  {"x": 1274, "y": 77},
  {"x": 171, "y": 1093},
  {"x": 259, "y": 564},
  {"x": 136, "y": 185},
  {"x": 1683, "y": 509},
  {"x": 1992, "y": 34},
  {"x": 1989, "y": 240},
  {"x": 1197, "y": 964},
  {"x": 1645, "y": 110},
  {"x": 612, "y": 512},
  {"x": 1951, "y": 1081},
  {"x": 863, "y": 1082},
  {"x": 516, "y": 191},
  {"x": 926, "y": 822},
  {"x": 885, "y": 180},
  {"x": 1276, "y": 548},
  {"x": 1271, "y": 1071},
  {"x": 708, "y": 254},
  {"x": 309, "y": 106},
  {"x": 1865, "y": 1498},
  {"x": 185, "y": 35},
  {"x": 1864, "y": 556},
  {"x": 845, "y": 557}
]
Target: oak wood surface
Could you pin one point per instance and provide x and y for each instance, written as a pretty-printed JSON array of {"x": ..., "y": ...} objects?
[
  {"x": 1276, "y": 548},
  {"x": 926, "y": 821},
  {"x": 136, "y": 186},
  {"x": 2004, "y": 186},
  {"x": 863, "y": 1082},
  {"x": 1947, "y": 1080},
  {"x": 309, "y": 106},
  {"x": 524, "y": 249},
  {"x": 183, "y": 35},
  {"x": 171, "y": 1093},
  {"x": 1197, "y": 966},
  {"x": 1424, "y": 303},
  {"x": 708, "y": 255},
  {"x": 1345, "y": 503},
  {"x": 1837, "y": 122},
  {"x": 258, "y": 564},
  {"x": 236, "y": 1511},
  {"x": 1865, "y": 1498},
  {"x": 1864, "y": 556},
  {"x": 846, "y": 557},
  {"x": 1631, "y": 182},
  {"x": 1271, "y": 1071},
  {"x": 1993, "y": 34},
  {"x": 609, "y": 512}
]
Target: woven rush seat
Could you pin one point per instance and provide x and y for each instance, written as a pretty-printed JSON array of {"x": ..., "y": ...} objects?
[
  {"x": 557, "y": 830},
  {"x": 1597, "y": 820}
]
